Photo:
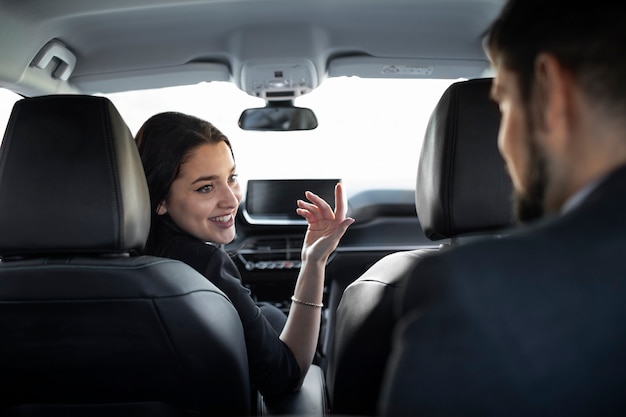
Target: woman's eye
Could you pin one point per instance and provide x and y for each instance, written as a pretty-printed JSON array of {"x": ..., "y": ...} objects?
[
  {"x": 233, "y": 178},
  {"x": 205, "y": 188}
]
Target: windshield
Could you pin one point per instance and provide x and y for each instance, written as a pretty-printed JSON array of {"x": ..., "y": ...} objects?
[{"x": 369, "y": 134}]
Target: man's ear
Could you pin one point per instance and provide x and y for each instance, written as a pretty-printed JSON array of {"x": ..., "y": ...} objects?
[
  {"x": 552, "y": 98},
  {"x": 161, "y": 208}
]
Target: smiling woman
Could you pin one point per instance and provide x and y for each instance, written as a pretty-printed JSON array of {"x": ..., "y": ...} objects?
[{"x": 194, "y": 198}]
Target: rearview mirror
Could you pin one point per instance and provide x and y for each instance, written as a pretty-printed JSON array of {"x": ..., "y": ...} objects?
[{"x": 278, "y": 118}]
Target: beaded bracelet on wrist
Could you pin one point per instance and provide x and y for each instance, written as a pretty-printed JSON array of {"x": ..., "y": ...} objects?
[{"x": 305, "y": 303}]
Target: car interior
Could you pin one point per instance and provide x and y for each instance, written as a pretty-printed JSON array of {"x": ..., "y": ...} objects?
[{"x": 93, "y": 327}]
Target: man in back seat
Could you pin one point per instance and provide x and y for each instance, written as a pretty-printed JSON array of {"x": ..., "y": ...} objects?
[{"x": 533, "y": 323}]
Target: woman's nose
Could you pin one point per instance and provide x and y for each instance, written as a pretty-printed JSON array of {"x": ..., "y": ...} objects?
[{"x": 231, "y": 196}]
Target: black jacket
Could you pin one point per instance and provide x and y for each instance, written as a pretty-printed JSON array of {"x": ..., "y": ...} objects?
[{"x": 530, "y": 324}]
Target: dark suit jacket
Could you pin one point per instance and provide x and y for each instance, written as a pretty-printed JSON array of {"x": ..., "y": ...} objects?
[{"x": 532, "y": 324}]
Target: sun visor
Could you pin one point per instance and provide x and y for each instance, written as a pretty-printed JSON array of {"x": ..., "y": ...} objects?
[{"x": 191, "y": 73}]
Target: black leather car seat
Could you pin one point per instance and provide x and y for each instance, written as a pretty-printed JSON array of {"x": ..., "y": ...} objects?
[
  {"x": 462, "y": 191},
  {"x": 88, "y": 327}
]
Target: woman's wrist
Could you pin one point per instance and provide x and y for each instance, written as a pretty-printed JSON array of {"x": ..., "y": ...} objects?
[{"x": 312, "y": 259}]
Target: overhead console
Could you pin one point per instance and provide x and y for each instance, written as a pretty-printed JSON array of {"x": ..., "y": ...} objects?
[{"x": 278, "y": 81}]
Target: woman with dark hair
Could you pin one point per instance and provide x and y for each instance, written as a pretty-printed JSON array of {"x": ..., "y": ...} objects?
[{"x": 194, "y": 196}]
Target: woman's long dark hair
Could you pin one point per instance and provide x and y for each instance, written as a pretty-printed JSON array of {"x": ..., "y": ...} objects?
[{"x": 165, "y": 141}]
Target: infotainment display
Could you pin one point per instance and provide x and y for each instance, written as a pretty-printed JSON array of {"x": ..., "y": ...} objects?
[{"x": 276, "y": 199}]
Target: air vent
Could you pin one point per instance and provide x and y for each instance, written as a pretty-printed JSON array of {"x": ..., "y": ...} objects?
[{"x": 271, "y": 253}]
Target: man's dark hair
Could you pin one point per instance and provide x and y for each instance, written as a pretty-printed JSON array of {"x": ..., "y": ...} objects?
[{"x": 587, "y": 38}]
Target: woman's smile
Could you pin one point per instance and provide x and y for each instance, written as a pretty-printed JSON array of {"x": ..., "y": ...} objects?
[{"x": 224, "y": 221}]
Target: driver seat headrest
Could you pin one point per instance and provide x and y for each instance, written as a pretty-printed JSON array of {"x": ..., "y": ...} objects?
[
  {"x": 463, "y": 187},
  {"x": 71, "y": 180}
]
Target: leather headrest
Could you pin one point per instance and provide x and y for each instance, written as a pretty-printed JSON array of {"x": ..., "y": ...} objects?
[
  {"x": 71, "y": 180},
  {"x": 462, "y": 184}
]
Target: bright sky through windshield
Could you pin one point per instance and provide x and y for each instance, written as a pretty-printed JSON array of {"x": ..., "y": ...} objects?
[{"x": 369, "y": 134}]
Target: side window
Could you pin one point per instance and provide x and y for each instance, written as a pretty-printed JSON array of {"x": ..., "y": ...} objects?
[{"x": 7, "y": 99}]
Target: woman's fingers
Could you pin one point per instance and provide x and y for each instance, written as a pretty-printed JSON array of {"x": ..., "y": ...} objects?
[
  {"x": 309, "y": 211},
  {"x": 310, "y": 217},
  {"x": 318, "y": 209},
  {"x": 322, "y": 206},
  {"x": 341, "y": 208}
]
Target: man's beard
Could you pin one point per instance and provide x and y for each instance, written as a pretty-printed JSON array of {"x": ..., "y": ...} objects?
[{"x": 529, "y": 205}]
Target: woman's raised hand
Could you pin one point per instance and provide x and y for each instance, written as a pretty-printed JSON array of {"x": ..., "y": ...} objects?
[{"x": 325, "y": 226}]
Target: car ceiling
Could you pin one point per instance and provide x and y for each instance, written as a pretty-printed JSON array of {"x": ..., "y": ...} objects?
[{"x": 128, "y": 44}]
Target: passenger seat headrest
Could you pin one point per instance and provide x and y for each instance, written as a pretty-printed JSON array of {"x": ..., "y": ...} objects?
[
  {"x": 71, "y": 180},
  {"x": 463, "y": 187}
]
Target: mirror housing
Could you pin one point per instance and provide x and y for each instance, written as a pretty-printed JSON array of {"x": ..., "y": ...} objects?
[{"x": 278, "y": 116}]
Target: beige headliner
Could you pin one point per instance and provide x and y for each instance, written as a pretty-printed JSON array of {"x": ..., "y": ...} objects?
[{"x": 121, "y": 44}]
